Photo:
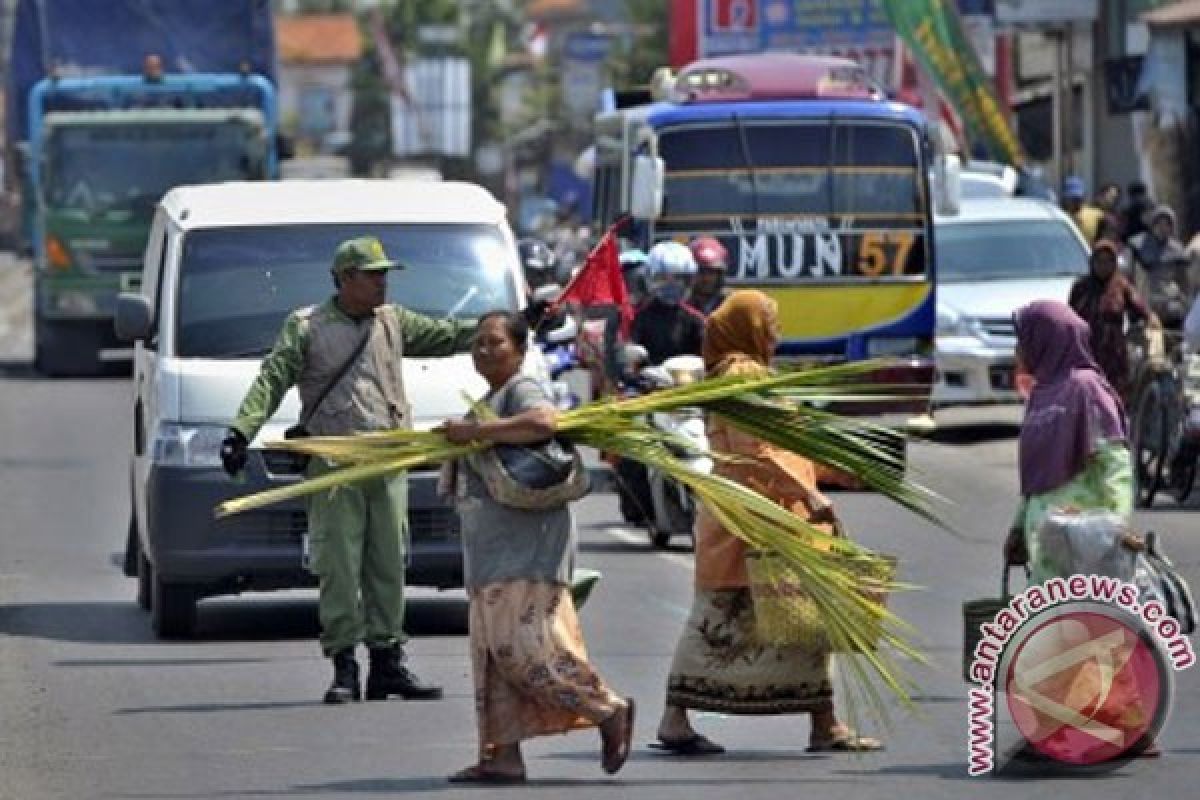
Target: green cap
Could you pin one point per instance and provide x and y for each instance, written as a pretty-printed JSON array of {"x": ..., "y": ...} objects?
[{"x": 365, "y": 253}]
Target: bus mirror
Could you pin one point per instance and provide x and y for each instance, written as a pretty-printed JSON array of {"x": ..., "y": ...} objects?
[
  {"x": 947, "y": 173},
  {"x": 647, "y": 188}
]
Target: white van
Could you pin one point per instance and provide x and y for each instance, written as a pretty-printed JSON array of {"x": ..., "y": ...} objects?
[{"x": 224, "y": 265}]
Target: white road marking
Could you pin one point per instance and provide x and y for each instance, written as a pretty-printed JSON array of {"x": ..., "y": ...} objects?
[{"x": 638, "y": 536}]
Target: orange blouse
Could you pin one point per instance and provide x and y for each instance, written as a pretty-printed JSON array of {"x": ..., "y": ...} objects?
[{"x": 780, "y": 475}]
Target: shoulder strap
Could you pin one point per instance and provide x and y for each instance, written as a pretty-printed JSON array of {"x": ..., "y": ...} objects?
[{"x": 341, "y": 373}]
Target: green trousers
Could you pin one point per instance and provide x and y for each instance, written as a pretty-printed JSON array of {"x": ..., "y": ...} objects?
[{"x": 357, "y": 551}]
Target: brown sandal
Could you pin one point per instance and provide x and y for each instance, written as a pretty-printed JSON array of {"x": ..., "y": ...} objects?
[{"x": 617, "y": 744}]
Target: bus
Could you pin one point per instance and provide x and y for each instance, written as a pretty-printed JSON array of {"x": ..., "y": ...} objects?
[{"x": 816, "y": 184}]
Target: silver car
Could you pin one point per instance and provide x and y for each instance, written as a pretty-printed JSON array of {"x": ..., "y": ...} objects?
[{"x": 992, "y": 258}]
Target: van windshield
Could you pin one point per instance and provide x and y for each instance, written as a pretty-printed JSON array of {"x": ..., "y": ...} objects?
[{"x": 238, "y": 284}]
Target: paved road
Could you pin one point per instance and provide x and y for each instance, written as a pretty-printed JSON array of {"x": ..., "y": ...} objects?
[{"x": 91, "y": 706}]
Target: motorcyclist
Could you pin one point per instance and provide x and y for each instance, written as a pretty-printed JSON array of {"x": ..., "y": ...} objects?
[
  {"x": 712, "y": 260},
  {"x": 1161, "y": 268},
  {"x": 665, "y": 324},
  {"x": 633, "y": 264},
  {"x": 539, "y": 265}
]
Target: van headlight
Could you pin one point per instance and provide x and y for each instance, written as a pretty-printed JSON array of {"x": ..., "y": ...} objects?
[{"x": 188, "y": 445}]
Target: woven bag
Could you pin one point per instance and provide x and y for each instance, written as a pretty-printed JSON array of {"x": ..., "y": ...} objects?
[{"x": 785, "y": 614}]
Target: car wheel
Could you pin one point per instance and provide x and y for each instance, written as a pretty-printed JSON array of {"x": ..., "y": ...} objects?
[
  {"x": 145, "y": 581},
  {"x": 173, "y": 609}
]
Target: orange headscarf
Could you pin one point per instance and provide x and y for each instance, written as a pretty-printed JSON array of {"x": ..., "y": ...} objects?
[{"x": 743, "y": 325}]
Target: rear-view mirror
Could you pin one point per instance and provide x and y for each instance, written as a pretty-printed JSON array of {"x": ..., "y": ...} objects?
[
  {"x": 134, "y": 320},
  {"x": 647, "y": 189},
  {"x": 947, "y": 184}
]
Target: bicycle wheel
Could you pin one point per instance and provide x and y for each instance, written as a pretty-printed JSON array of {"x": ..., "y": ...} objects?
[{"x": 1149, "y": 442}]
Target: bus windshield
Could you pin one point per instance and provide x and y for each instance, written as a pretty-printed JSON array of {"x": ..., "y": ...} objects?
[{"x": 799, "y": 200}]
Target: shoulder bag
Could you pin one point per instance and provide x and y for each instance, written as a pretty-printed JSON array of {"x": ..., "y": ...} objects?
[{"x": 532, "y": 477}]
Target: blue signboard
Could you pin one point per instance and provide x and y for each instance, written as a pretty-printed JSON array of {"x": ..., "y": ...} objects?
[{"x": 740, "y": 26}]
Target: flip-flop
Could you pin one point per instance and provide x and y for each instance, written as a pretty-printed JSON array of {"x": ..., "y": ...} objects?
[
  {"x": 852, "y": 743},
  {"x": 695, "y": 745},
  {"x": 613, "y": 759},
  {"x": 478, "y": 774}
]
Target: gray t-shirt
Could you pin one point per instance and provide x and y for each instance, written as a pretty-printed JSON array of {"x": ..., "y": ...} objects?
[{"x": 506, "y": 544}]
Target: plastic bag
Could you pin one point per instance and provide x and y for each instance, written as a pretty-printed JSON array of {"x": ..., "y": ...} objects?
[{"x": 1086, "y": 543}]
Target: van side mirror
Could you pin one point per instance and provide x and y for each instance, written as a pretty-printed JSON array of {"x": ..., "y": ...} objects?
[
  {"x": 947, "y": 184},
  {"x": 646, "y": 201},
  {"x": 134, "y": 320}
]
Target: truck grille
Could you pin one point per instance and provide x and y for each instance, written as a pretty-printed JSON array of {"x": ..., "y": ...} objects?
[{"x": 109, "y": 262}]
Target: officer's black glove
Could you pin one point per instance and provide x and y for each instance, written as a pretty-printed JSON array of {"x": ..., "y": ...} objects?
[
  {"x": 234, "y": 452},
  {"x": 534, "y": 312}
]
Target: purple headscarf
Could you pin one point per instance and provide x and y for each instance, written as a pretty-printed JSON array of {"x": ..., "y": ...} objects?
[{"x": 1071, "y": 406}]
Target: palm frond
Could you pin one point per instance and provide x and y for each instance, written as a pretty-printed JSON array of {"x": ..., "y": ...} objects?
[{"x": 784, "y": 409}]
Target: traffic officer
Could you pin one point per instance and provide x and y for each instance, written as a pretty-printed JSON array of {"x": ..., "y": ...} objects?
[{"x": 344, "y": 355}]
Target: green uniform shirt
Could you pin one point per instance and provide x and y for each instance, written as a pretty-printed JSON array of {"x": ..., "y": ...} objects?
[{"x": 423, "y": 337}]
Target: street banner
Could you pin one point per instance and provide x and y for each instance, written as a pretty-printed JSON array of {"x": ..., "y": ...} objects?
[{"x": 934, "y": 34}]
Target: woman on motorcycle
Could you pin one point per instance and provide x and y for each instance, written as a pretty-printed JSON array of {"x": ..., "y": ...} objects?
[{"x": 719, "y": 665}]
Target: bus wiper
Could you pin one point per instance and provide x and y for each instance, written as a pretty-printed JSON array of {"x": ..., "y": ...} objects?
[{"x": 744, "y": 143}]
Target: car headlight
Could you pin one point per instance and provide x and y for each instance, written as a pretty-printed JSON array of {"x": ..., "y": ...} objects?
[
  {"x": 188, "y": 445},
  {"x": 951, "y": 324}
]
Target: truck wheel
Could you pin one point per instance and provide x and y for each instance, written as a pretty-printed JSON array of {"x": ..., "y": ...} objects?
[
  {"x": 67, "y": 349},
  {"x": 132, "y": 548},
  {"x": 145, "y": 581},
  {"x": 173, "y": 609}
]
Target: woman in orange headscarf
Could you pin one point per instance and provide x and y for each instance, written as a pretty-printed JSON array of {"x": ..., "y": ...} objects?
[{"x": 719, "y": 665}]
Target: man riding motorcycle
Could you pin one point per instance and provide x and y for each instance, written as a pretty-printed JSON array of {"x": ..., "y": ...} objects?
[
  {"x": 665, "y": 326},
  {"x": 712, "y": 261}
]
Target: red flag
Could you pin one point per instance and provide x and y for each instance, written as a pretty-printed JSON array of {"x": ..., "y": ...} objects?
[{"x": 600, "y": 281}]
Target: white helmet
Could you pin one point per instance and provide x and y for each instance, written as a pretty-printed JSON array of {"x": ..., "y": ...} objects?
[{"x": 669, "y": 270}]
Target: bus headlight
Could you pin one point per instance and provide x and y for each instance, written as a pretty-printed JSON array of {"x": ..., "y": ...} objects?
[{"x": 188, "y": 445}]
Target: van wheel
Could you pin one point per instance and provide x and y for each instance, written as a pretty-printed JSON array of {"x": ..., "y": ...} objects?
[
  {"x": 145, "y": 581},
  {"x": 173, "y": 609}
]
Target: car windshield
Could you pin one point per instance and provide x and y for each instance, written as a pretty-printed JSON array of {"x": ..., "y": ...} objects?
[
  {"x": 238, "y": 284},
  {"x": 1008, "y": 250},
  {"x": 116, "y": 168}
]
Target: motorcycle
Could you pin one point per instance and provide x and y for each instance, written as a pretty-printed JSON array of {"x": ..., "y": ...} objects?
[{"x": 648, "y": 496}]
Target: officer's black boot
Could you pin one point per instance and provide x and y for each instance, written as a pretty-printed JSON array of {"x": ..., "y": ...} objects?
[
  {"x": 344, "y": 688},
  {"x": 389, "y": 676}
]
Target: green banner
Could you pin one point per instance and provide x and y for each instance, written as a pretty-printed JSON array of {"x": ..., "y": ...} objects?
[{"x": 933, "y": 32}]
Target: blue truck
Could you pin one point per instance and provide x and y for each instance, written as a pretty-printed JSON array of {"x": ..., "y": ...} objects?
[{"x": 109, "y": 106}]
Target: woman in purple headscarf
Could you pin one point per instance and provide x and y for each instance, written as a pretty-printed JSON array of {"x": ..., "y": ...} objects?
[{"x": 1073, "y": 450}]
